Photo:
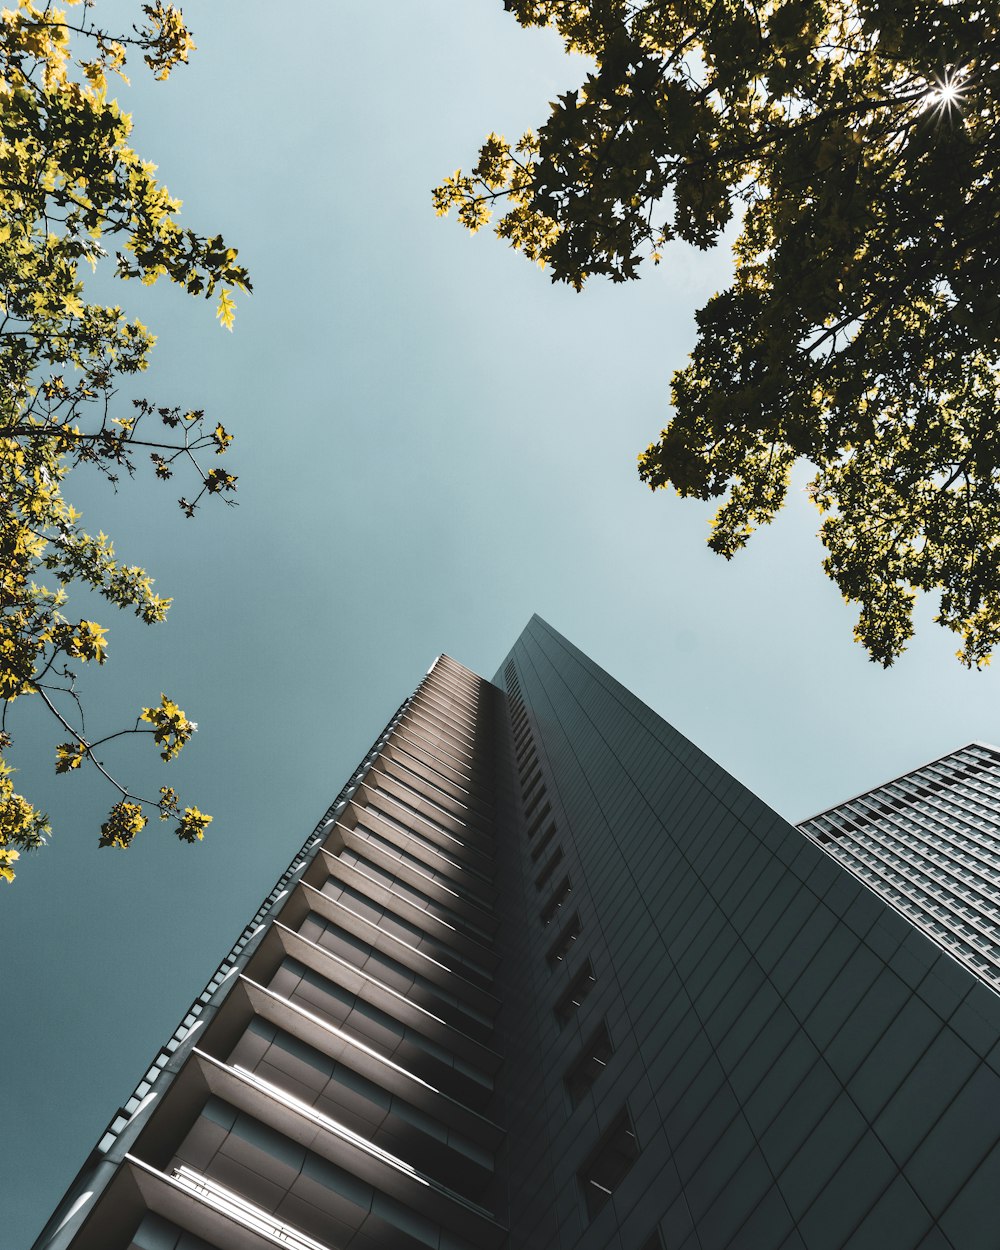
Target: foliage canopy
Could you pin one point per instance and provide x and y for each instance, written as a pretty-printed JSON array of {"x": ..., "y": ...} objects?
[
  {"x": 859, "y": 141},
  {"x": 70, "y": 188}
]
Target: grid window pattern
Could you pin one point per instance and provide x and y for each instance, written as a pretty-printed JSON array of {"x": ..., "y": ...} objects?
[
  {"x": 800, "y": 1064},
  {"x": 929, "y": 843}
]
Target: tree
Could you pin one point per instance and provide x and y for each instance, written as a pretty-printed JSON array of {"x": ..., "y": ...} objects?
[
  {"x": 69, "y": 184},
  {"x": 859, "y": 139}
]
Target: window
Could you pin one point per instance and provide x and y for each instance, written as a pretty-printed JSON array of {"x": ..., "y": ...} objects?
[
  {"x": 571, "y": 999},
  {"x": 539, "y": 794},
  {"x": 549, "y": 869},
  {"x": 543, "y": 842},
  {"x": 537, "y": 822},
  {"x": 559, "y": 896},
  {"x": 564, "y": 942},
  {"x": 527, "y": 760},
  {"x": 589, "y": 1064},
  {"x": 528, "y": 785},
  {"x": 609, "y": 1164}
]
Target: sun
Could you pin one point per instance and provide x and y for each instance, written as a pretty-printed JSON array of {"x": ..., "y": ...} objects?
[{"x": 947, "y": 92}]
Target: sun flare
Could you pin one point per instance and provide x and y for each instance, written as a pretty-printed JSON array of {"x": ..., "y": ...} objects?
[{"x": 947, "y": 92}]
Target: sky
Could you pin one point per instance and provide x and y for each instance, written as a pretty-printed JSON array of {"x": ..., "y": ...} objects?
[{"x": 433, "y": 442}]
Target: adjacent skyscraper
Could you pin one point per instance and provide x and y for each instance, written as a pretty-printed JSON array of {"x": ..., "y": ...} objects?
[
  {"x": 929, "y": 842},
  {"x": 546, "y": 976}
]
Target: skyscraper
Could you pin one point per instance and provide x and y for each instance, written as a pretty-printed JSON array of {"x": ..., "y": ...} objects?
[
  {"x": 546, "y": 976},
  {"x": 929, "y": 842}
]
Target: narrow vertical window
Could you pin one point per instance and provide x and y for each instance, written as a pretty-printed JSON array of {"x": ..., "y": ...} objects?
[
  {"x": 549, "y": 868},
  {"x": 609, "y": 1164},
  {"x": 536, "y": 824},
  {"x": 559, "y": 896},
  {"x": 563, "y": 944},
  {"x": 528, "y": 786},
  {"x": 589, "y": 1064},
  {"x": 539, "y": 795},
  {"x": 570, "y": 1001},
  {"x": 543, "y": 841}
]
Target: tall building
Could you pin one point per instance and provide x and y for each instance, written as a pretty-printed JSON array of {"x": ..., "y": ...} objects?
[
  {"x": 546, "y": 976},
  {"x": 929, "y": 842}
]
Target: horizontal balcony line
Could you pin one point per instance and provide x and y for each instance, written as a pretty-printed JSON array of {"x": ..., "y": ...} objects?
[
  {"x": 399, "y": 843},
  {"x": 463, "y": 776},
  {"x": 455, "y": 842},
  {"x": 403, "y": 758},
  {"x": 455, "y": 942},
  {"x": 441, "y": 740},
  {"x": 246, "y": 1212},
  {"x": 229, "y": 1225},
  {"x": 445, "y": 713},
  {"x": 378, "y": 1156},
  {"x": 464, "y": 837},
  {"x": 451, "y": 982},
  {"x": 411, "y": 734},
  {"x": 359, "y": 1056},
  {"x": 411, "y": 844},
  {"x": 388, "y": 858},
  {"x": 435, "y": 796},
  {"x": 391, "y": 1001},
  {"x": 459, "y": 744},
  {"x": 416, "y": 976},
  {"x": 447, "y": 710},
  {"x": 459, "y": 674}
]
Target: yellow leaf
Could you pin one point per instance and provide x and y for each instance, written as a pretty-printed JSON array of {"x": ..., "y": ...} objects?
[{"x": 226, "y": 311}]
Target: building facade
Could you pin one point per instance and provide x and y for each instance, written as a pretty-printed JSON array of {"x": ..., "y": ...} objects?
[
  {"x": 546, "y": 976},
  {"x": 929, "y": 842}
]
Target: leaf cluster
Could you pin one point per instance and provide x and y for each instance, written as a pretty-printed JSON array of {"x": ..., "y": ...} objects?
[
  {"x": 74, "y": 195},
  {"x": 856, "y": 142}
]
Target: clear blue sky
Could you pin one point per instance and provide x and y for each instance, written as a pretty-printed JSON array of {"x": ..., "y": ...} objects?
[{"x": 433, "y": 442}]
